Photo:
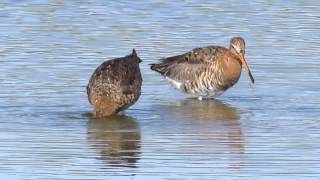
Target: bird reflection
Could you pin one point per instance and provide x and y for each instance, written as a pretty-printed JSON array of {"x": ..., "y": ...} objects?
[
  {"x": 116, "y": 139},
  {"x": 206, "y": 110},
  {"x": 214, "y": 125}
]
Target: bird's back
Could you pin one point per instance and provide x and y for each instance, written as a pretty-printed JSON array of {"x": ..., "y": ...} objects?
[
  {"x": 116, "y": 83},
  {"x": 190, "y": 65}
]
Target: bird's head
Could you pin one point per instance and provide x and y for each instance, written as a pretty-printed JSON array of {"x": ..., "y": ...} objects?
[{"x": 237, "y": 47}]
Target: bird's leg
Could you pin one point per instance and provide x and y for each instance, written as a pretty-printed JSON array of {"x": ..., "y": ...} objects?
[{"x": 122, "y": 113}]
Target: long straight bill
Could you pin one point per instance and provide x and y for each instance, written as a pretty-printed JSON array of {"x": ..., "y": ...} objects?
[{"x": 246, "y": 67}]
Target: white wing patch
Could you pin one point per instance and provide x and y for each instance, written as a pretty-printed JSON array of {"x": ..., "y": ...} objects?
[{"x": 175, "y": 83}]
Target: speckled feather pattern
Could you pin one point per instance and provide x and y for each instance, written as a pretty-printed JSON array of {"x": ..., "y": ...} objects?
[
  {"x": 203, "y": 72},
  {"x": 115, "y": 85}
]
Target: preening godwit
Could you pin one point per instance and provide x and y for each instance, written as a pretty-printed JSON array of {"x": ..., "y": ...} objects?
[
  {"x": 205, "y": 72},
  {"x": 115, "y": 85}
]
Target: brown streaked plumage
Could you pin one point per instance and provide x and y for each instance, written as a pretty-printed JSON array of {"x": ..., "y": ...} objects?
[
  {"x": 205, "y": 72},
  {"x": 115, "y": 85}
]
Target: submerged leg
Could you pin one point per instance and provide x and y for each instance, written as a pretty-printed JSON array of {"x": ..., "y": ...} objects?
[{"x": 122, "y": 113}]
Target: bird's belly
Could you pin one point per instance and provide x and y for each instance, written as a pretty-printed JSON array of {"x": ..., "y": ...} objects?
[
  {"x": 176, "y": 84},
  {"x": 206, "y": 93}
]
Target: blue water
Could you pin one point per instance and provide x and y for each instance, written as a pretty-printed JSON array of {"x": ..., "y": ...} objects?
[{"x": 49, "y": 49}]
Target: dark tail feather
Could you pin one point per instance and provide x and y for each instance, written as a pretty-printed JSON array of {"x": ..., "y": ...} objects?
[
  {"x": 164, "y": 64},
  {"x": 160, "y": 68},
  {"x": 134, "y": 53},
  {"x": 154, "y": 67}
]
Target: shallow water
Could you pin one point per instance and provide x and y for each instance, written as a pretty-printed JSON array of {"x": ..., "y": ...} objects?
[{"x": 49, "y": 49}]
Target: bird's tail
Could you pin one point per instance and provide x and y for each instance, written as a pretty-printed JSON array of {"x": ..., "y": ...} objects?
[{"x": 160, "y": 68}]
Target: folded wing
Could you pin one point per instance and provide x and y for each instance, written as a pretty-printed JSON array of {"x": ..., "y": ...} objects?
[{"x": 190, "y": 65}]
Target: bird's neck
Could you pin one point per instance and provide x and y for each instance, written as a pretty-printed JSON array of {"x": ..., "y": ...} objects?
[
  {"x": 233, "y": 51},
  {"x": 233, "y": 65}
]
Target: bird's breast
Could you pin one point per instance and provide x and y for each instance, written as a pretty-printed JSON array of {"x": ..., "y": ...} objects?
[{"x": 231, "y": 71}]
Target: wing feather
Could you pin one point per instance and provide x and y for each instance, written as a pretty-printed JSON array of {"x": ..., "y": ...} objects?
[{"x": 190, "y": 65}]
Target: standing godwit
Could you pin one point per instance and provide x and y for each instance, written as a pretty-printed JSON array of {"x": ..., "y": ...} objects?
[
  {"x": 205, "y": 72},
  {"x": 115, "y": 85}
]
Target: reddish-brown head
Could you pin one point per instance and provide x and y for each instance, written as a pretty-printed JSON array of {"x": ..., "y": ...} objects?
[{"x": 237, "y": 47}]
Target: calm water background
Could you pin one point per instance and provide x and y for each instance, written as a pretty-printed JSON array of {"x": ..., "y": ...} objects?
[{"x": 49, "y": 49}]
